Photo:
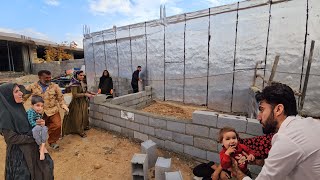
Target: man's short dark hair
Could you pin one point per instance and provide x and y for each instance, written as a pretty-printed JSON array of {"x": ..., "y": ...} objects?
[
  {"x": 35, "y": 99},
  {"x": 40, "y": 73},
  {"x": 139, "y": 67},
  {"x": 278, "y": 93}
]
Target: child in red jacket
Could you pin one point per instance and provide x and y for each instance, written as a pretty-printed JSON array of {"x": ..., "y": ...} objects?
[{"x": 232, "y": 148}]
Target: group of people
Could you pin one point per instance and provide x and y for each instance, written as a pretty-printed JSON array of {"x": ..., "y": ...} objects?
[{"x": 288, "y": 150}]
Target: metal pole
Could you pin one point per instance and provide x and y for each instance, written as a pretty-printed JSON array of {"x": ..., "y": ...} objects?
[{"x": 305, "y": 84}]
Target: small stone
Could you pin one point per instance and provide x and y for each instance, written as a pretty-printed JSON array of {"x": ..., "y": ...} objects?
[
  {"x": 97, "y": 166},
  {"x": 76, "y": 153}
]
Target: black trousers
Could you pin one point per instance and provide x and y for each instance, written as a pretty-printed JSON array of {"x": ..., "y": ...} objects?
[{"x": 135, "y": 87}]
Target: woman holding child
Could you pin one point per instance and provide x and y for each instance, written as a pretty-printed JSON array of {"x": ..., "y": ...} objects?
[
  {"x": 22, "y": 154},
  {"x": 77, "y": 120}
]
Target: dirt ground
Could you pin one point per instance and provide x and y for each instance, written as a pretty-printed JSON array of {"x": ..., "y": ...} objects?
[{"x": 175, "y": 109}]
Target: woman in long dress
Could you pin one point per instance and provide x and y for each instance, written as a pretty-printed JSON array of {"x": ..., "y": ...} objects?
[
  {"x": 22, "y": 153},
  {"x": 77, "y": 120}
]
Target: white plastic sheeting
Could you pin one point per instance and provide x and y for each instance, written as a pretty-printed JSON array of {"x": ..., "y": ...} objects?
[
  {"x": 99, "y": 54},
  {"x": 89, "y": 62}
]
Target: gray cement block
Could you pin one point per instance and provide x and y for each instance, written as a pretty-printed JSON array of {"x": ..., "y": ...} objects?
[
  {"x": 196, "y": 152},
  {"x": 173, "y": 175},
  {"x": 162, "y": 165},
  {"x": 141, "y": 119},
  {"x": 132, "y": 125},
  {"x": 206, "y": 118},
  {"x": 176, "y": 126},
  {"x": 115, "y": 128},
  {"x": 239, "y": 123},
  {"x": 118, "y": 121},
  {"x": 150, "y": 148},
  {"x": 182, "y": 138},
  {"x": 157, "y": 123},
  {"x": 140, "y": 136},
  {"x": 103, "y": 125},
  {"x": 176, "y": 147},
  {"x": 254, "y": 127},
  {"x": 91, "y": 113},
  {"x": 244, "y": 135},
  {"x": 147, "y": 130},
  {"x": 197, "y": 130},
  {"x": 213, "y": 156},
  {"x": 159, "y": 142},
  {"x": 127, "y": 132},
  {"x": 97, "y": 115},
  {"x": 214, "y": 134},
  {"x": 107, "y": 118},
  {"x": 114, "y": 112},
  {"x": 148, "y": 88},
  {"x": 206, "y": 144},
  {"x": 94, "y": 107},
  {"x": 139, "y": 166},
  {"x": 100, "y": 98},
  {"x": 163, "y": 134},
  {"x": 136, "y": 101},
  {"x": 103, "y": 109}
]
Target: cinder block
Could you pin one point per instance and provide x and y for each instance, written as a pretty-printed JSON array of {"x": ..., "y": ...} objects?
[
  {"x": 214, "y": 134},
  {"x": 173, "y": 146},
  {"x": 140, "y": 136},
  {"x": 254, "y": 127},
  {"x": 136, "y": 101},
  {"x": 114, "y": 112},
  {"x": 197, "y": 130},
  {"x": 196, "y": 152},
  {"x": 213, "y": 156},
  {"x": 127, "y": 132},
  {"x": 118, "y": 121},
  {"x": 132, "y": 125},
  {"x": 244, "y": 135},
  {"x": 158, "y": 123},
  {"x": 91, "y": 113},
  {"x": 103, "y": 109},
  {"x": 139, "y": 166},
  {"x": 94, "y": 107},
  {"x": 150, "y": 148},
  {"x": 100, "y": 98},
  {"x": 97, "y": 115},
  {"x": 176, "y": 126},
  {"x": 147, "y": 130},
  {"x": 205, "y": 144},
  {"x": 162, "y": 165},
  {"x": 239, "y": 123},
  {"x": 163, "y": 134},
  {"x": 173, "y": 175},
  {"x": 115, "y": 128},
  {"x": 182, "y": 138},
  {"x": 159, "y": 142},
  {"x": 148, "y": 88},
  {"x": 206, "y": 118}
]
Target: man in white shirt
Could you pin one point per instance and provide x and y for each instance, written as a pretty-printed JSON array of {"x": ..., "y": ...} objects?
[{"x": 295, "y": 151}]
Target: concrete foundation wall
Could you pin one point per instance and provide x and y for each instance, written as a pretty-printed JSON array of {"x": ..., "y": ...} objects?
[
  {"x": 57, "y": 69},
  {"x": 196, "y": 137}
]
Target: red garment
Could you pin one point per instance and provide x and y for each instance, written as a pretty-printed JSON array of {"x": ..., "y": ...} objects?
[
  {"x": 238, "y": 155},
  {"x": 261, "y": 145}
]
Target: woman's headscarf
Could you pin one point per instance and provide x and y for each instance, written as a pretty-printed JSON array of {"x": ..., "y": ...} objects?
[
  {"x": 12, "y": 115},
  {"x": 74, "y": 80}
]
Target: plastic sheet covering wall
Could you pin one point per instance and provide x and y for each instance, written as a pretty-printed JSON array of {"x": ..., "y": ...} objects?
[
  {"x": 99, "y": 54},
  {"x": 111, "y": 52},
  {"x": 138, "y": 49},
  {"x": 251, "y": 44},
  {"x": 286, "y": 38},
  {"x": 221, "y": 59},
  {"x": 312, "y": 100},
  {"x": 124, "y": 53},
  {"x": 155, "y": 55},
  {"x": 196, "y": 60},
  {"x": 174, "y": 58},
  {"x": 89, "y": 62}
]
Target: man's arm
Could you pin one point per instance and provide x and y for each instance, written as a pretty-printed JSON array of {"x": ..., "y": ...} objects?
[{"x": 60, "y": 98}]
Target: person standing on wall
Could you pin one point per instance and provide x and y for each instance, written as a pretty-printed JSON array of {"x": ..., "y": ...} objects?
[
  {"x": 106, "y": 84},
  {"x": 135, "y": 80},
  {"x": 52, "y": 96}
]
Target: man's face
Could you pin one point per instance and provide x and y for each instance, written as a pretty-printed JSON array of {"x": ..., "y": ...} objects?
[
  {"x": 139, "y": 69},
  {"x": 45, "y": 79},
  {"x": 267, "y": 118}
]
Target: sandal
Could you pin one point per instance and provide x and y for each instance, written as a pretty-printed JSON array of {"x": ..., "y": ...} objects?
[{"x": 54, "y": 146}]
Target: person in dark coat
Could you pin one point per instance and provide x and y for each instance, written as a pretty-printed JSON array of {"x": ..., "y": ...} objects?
[
  {"x": 22, "y": 153},
  {"x": 135, "y": 80},
  {"x": 105, "y": 84}
]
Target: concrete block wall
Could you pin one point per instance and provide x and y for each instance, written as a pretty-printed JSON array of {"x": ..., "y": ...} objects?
[{"x": 196, "y": 137}]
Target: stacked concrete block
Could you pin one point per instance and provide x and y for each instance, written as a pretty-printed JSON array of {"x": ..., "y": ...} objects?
[
  {"x": 162, "y": 165},
  {"x": 150, "y": 148},
  {"x": 139, "y": 166},
  {"x": 206, "y": 118},
  {"x": 173, "y": 175},
  {"x": 254, "y": 127},
  {"x": 239, "y": 123}
]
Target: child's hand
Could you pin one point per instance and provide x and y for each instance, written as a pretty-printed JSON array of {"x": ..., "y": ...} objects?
[
  {"x": 230, "y": 150},
  {"x": 251, "y": 157},
  {"x": 40, "y": 122}
]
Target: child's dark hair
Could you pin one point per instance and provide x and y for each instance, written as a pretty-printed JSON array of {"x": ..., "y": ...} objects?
[
  {"x": 225, "y": 130},
  {"x": 35, "y": 99}
]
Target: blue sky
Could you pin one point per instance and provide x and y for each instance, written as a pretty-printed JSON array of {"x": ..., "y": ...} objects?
[{"x": 63, "y": 20}]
